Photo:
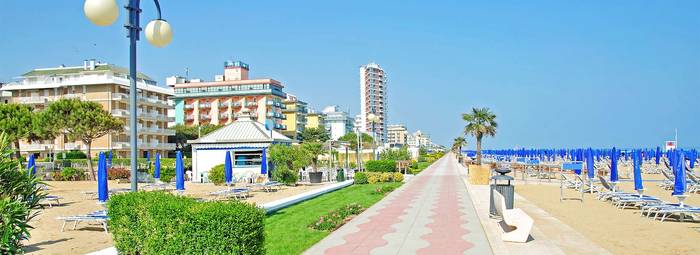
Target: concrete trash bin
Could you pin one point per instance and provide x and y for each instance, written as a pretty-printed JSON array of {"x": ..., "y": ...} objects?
[{"x": 502, "y": 184}]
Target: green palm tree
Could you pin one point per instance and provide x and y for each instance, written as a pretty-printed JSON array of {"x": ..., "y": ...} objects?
[
  {"x": 458, "y": 143},
  {"x": 480, "y": 122}
]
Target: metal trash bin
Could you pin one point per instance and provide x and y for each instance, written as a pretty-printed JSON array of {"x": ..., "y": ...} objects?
[{"x": 502, "y": 184}]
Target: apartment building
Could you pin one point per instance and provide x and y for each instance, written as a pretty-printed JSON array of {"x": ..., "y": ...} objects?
[
  {"x": 397, "y": 135},
  {"x": 314, "y": 120},
  {"x": 295, "y": 114},
  {"x": 337, "y": 122},
  {"x": 107, "y": 85},
  {"x": 373, "y": 100},
  {"x": 221, "y": 101}
]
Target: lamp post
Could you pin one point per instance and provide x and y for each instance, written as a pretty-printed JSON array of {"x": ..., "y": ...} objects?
[
  {"x": 373, "y": 119},
  {"x": 158, "y": 33},
  {"x": 359, "y": 149}
]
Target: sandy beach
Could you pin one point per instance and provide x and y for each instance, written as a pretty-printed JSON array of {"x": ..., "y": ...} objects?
[
  {"x": 619, "y": 231},
  {"x": 47, "y": 238}
]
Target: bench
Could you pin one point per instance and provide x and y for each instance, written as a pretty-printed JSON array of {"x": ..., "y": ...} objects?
[{"x": 514, "y": 218}]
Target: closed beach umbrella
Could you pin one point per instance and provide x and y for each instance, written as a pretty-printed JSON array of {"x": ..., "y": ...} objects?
[
  {"x": 156, "y": 171},
  {"x": 109, "y": 160},
  {"x": 590, "y": 165},
  {"x": 679, "y": 184},
  {"x": 613, "y": 165},
  {"x": 148, "y": 157},
  {"x": 657, "y": 154},
  {"x": 637, "y": 160},
  {"x": 31, "y": 165},
  {"x": 692, "y": 157},
  {"x": 179, "y": 173},
  {"x": 263, "y": 165},
  {"x": 228, "y": 170},
  {"x": 102, "y": 189}
]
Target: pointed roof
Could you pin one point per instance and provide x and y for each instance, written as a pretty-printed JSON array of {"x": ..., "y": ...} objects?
[{"x": 243, "y": 130}]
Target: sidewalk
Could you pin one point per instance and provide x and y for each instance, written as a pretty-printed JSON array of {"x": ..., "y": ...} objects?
[{"x": 431, "y": 214}]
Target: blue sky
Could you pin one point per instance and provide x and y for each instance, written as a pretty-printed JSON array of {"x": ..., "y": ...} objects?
[{"x": 557, "y": 73}]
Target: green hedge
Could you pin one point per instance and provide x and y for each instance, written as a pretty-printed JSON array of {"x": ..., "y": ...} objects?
[
  {"x": 380, "y": 166},
  {"x": 217, "y": 175},
  {"x": 161, "y": 223}
]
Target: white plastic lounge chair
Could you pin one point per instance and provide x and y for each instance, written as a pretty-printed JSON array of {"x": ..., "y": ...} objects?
[
  {"x": 99, "y": 217},
  {"x": 513, "y": 218},
  {"x": 51, "y": 200}
]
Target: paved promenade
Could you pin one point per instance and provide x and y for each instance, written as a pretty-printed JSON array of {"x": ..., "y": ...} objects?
[{"x": 431, "y": 214}]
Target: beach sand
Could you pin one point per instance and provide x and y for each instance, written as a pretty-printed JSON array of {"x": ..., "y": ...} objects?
[
  {"x": 619, "y": 231},
  {"x": 47, "y": 238}
]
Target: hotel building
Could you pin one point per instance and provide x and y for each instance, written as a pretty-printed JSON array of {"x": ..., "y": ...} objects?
[
  {"x": 314, "y": 120},
  {"x": 221, "y": 101},
  {"x": 295, "y": 114},
  {"x": 337, "y": 122},
  {"x": 373, "y": 100},
  {"x": 107, "y": 85},
  {"x": 397, "y": 135}
]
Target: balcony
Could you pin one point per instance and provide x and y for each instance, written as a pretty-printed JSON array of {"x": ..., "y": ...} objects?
[
  {"x": 71, "y": 146},
  {"x": 224, "y": 116},
  {"x": 205, "y": 105},
  {"x": 237, "y": 104},
  {"x": 120, "y": 96},
  {"x": 36, "y": 147},
  {"x": 120, "y": 145},
  {"x": 251, "y": 103},
  {"x": 205, "y": 117},
  {"x": 189, "y": 117},
  {"x": 33, "y": 100},
  {"x": 120, "y": 113},
  {"x": 224, "y": 105},
  {"x": 189, "y": 106}
]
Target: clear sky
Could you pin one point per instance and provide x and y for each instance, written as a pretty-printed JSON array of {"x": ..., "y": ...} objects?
[{"x": 557, "y": 73}]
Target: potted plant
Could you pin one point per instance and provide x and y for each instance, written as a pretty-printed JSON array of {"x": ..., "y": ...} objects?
[{"x": 313, "y": 150}]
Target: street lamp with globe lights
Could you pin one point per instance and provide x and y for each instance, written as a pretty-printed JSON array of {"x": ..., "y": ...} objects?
[{"x": 158, "y": 32}]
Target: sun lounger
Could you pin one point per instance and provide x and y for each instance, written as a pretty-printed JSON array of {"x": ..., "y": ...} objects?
[
  {"x": 662, "y": 212},
  {"x": 238, "y": 193},
  {"x": 571, "y": 183},
  {"x": 99, "y": 217},
  {"x": 51, "y": 200},
  {"x": 516, "y": 218},
  {"x": 269, "y": 186}
]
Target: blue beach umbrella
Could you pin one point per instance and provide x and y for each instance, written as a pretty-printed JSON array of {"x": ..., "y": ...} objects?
[
  {"x": 613, "y": 165},
  {"x": 31, "y": 165},
  {"x": 109, "y": 160},
  {"x": 156, "y": 171},
  {"x": 679, "y": 184},
  {"x": 102, "y": 189},
  {"x": 637, "y": 161},
  {"x": 692, "y": 157},
  {"x": 228, "y": 170},
  {"x": 148, "y": 156},
  {"x": 179, "y": 173},
  {"x": 658, "y": 154},
  {"x": 590, "y": 165},
  {"x": 263, "y": 165}
]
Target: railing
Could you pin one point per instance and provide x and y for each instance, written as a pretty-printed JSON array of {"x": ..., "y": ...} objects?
[
  {"x": 224, "y": 105},
  {"x": 205, "y": 105},
  {"x": 204, "y": 117},
  {"x": 120, "y": 113},
  {"x": 33, "y": 100},
  {"x": 36, "y": 146},
  {"x": 224, "y": 116},
  {"x": 71, "y": 146},
  {"x": 189, "y": 117},
  {"x": 251, "y": 104},
  {"x": 189, "y": 106}
]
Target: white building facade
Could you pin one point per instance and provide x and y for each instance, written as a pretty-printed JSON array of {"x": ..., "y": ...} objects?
[{"x": 337, "y": 122}]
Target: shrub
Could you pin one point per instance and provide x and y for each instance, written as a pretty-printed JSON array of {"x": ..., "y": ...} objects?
[
  {"x": 284, "y": 175},
  {"x": 360, "y": 178},
  {"x": 71, "y": 174},
  {"x": 385, "y": 177},
  {"x": 115, "y": 173},
  {"x": 166, "y": 173},
  {"x": 380, "y": 166},
  {"x": 75, "y": 154},
  {"x": 216, "y": 174},
  {"x": 19, "y": 200},
  {"x": 372, "y": 179},
  {"x": 336, "y": 218},
  {"x": 398, "y": 177},
  {"x": 383, "y": 189},
  {"x": 161, "y": 223}
]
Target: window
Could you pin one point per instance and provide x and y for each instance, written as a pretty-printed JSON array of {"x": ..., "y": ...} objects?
[{"x": 247, "y": 158}]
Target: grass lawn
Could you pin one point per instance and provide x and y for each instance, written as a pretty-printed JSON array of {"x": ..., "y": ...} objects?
[
  {"x": 287, "y": 231},
  {"x": 420, "y": 166}
]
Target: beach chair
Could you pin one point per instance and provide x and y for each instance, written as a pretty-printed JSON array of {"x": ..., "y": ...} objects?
[
  {"x": 99, "y": 217},
  {"x": 663, "y": 211},
  {"x": 237, "y": 193},
  {"x": 571, "y": 183},
  {"x": 50, "y": 200},
  {"x": 514, "y": 218}
]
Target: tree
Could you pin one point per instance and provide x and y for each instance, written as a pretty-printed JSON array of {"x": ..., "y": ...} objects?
[
  {"x": 480, "y": 122},
  {"x": 317, "y": 135},
  {"x": 400, "y": 154},
  {"x": 85, "y": 121},
  {"x": 184, "y": 133},
  {"x": 458, "y": 143},
  {"x": 287, "y": 161},
  {"x": 313, "y": 150},
  {"x": 16, "y": 122},
  {"x": 351, "y": 139}
]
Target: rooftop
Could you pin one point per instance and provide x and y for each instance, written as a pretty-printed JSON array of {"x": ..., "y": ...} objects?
[{"x": 99, "y": 67}]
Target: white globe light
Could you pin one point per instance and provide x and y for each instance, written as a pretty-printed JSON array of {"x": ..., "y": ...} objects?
[
  {"x": 101, "y": 12},
  {"x": 159, "y": 33},
  {"x": 371, "y": 117}
]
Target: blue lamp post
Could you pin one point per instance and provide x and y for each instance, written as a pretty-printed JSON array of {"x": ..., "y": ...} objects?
[{"x": 158, "y": 33}]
